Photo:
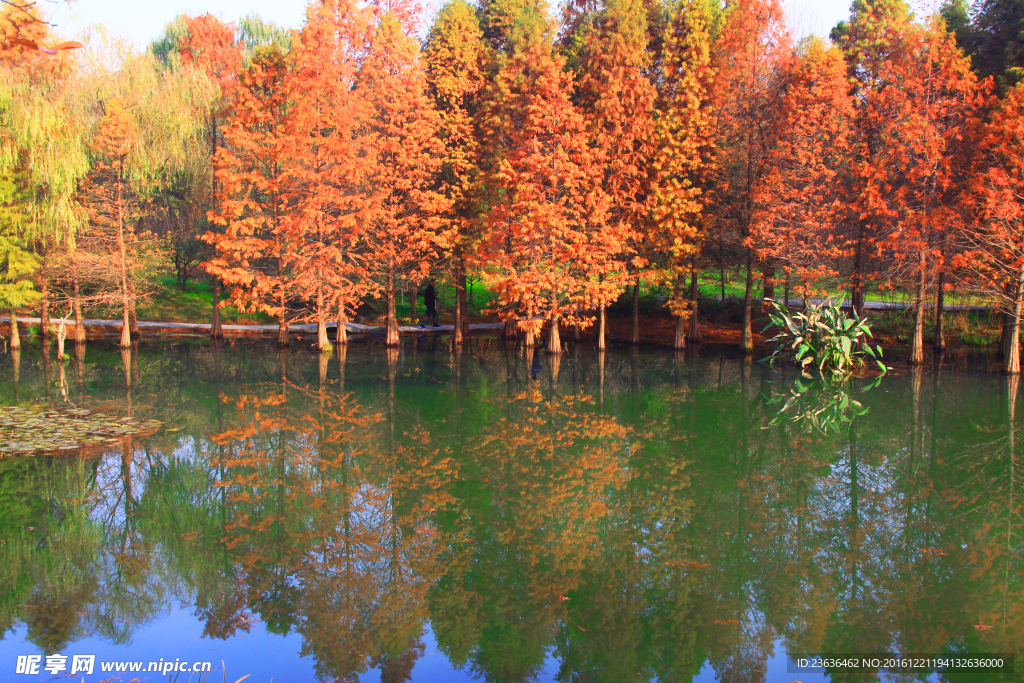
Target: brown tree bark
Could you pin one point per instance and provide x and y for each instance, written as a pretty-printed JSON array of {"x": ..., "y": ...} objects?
[
  {"x": 917, "y": 342},
  {"x": 601, "y": 316},
  {"x": 1012, "y": 361},
  {"x": 341, "y": 333},
  {"x": 940, "y": 299},
  {"x": 747, "y": 340},
  {"x": 392, "y": 338},
  {"x": 216, "y": 330},
  {"x": 693, "y": 334},
  {"x": 768, "y": 273},
  {"x": 634, "y": 334},
  {"x": 282, "y": 323},
  {"x": 458, "y": 333},
  {"x": 554, "y": 340},
  {"x": 79, "y": 323}
]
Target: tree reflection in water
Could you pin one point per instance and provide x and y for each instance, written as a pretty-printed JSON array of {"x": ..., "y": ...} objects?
[{"x": 633, "y": 517}]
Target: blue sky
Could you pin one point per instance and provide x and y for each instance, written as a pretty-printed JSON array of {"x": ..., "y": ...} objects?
[{"x": 140, "y": 21}]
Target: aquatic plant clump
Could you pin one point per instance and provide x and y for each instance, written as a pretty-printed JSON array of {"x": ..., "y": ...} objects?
[
  {"x": 822, "y": 336},
  {"x": 36, "y": 430}
]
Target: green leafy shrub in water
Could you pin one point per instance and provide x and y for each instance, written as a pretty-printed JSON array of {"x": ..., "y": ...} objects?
[{"x": 822, "y": 336}]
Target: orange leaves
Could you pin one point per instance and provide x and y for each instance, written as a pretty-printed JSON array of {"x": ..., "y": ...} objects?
[{"x": 546, "y": 183}]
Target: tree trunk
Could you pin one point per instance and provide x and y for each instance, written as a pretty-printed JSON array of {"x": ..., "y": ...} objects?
[
  {"x": 747, "y": 341},
  {"x": 693, "y": 334},
  {"x": 15, "y": 336},
  {"x": 554, "y": 340},
  {"x": 786, "y": 291},
  {"x": 414, "y": 292},
  {"x": 768, "y": 273},
  {"x": 601, "y": 316},
  {"x": 216, "y": 331},
  {"x": 79, "y": 324},
  {"x": 126, "y": 334},
  {"x": 126, "y": 339},
  {"x": 460, "y": 299},
  {"x": 323, "y": 343},
  {"x": 917, "y": 343},
  {"x": 133, "y": 320},
  {"x": 392, "y": 339},
  {"x": 680, "y": 338},
  {"x": 857, "y": 298},
  {"x": 341, "y": 333},
  {"x": 1012, "y": 361},
  {"x": 940, "y": 299},
  {"x": 282, "y": 318},
  {"x": 634, "y": 334},
  {"x": 44, "y": 302},
  {"x": 510, "y": 328}
]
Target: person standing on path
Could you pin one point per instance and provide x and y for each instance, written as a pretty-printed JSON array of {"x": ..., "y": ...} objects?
[{"x": 430, "y": 301}]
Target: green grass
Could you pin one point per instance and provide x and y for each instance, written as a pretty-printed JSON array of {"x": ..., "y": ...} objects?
[{"x": 195, "y": 305}]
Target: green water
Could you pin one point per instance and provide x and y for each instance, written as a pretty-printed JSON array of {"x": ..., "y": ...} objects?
[{"x": 421, "y": 515}]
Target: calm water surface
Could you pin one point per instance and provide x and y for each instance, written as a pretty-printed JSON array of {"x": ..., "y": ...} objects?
[{"x": 418, "y": 515}]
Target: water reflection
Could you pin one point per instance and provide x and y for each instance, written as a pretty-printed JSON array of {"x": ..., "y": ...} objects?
[{"x": 632, "y": 516}]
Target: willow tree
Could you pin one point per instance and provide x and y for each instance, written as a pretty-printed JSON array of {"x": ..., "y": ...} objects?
[
  {"x": 16, "y": 262},
  {"x": 41, "y": 142}
]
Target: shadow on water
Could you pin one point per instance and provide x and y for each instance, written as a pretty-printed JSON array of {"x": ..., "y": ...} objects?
[{"x": 614, "y": 516}]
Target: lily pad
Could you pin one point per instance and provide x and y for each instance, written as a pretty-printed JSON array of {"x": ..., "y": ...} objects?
[{"x": 38, "y": 430}]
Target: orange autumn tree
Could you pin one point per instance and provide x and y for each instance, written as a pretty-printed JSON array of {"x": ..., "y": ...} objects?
[
  {"x": 113, "y": 208},
  {"x": 546, "y": 181},
  {"x": 255, "y": 253},
  {"x": 209, "y": 44},
  {"x": 683, "y": 163},
  {"x": 325, "y": 213},
  {"x": 752, "y": 58},
  {"x": 803, "y": 195},
  {"x": 996, "y": 200},
  {"x": 397, "y": 136},
  {"x": 925, "y": 94},
  {"x": 617, "y": 100},
  {"x": 455, "y": 53}
]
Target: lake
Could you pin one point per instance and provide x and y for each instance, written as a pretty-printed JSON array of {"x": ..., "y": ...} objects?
[{"x": 496, "y": 516}]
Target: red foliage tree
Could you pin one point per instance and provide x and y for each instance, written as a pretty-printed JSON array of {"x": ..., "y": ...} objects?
[
  {"x": 325, "y": 211},
  {"x": 803, "y": 195},
  {"x": 752, "y": 59},
  {"x": 209, "y": 44},
  {"x": 255, "y": 253},
  {"x": 618, "y": 103},
  {"x": 996, "y": 236},
  {"x": 401, "y": 208}
]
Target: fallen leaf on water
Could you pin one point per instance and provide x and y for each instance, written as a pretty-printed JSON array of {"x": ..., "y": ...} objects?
[
  {"x": 563, "y": 598},
  {"x": 190, "y": 536},
  {"x": 694, "y": 564},
  {"x": 982, "y": 626},
  {"x": 724, "y": 623},
  {"x": 582, "y": 629}
]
